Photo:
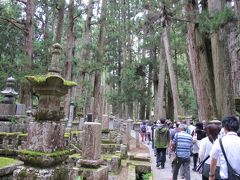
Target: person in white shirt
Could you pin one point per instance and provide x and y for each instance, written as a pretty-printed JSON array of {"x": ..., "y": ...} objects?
[
  {"x": 205, "y": 147},
  {"x": 231, "y": 145},
  {"x": 191, "y": 127}
]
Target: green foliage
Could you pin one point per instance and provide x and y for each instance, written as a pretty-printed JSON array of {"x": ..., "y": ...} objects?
[
  {"x": 219, "y": 19},
  {"x": 6, "y": 161},
  {"x": 147, "y": 176}
]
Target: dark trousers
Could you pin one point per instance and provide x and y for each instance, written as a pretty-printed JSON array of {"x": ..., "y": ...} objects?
[
  {"x": 161, "y": 156},
  {"x": 195, "y": 159},
  {"x": 185, "y": 162}
]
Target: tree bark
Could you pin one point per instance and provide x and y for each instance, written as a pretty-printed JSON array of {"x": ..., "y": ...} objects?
[
  {"x": 25, "y": 88},
  {"x": 222, "y": 64},
  {"x": 80, "y": 91},
  {"x": 171, "y": 74},
  {"x": 199, "y": 68},
  {"x": 159, "y": 103},
  {"x": 59, "y": 27},
  {"x": 98, "y": 73},
  {"x": 69, "y": 54}
]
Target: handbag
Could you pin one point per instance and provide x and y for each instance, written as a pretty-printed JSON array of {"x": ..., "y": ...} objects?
[
  {"x": 232, "y": 174},
  {"x": 199, "y": 167}
]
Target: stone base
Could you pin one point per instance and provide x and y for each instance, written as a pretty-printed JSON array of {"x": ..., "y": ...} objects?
[
  {"x": 90, "y": 163},
  {"x": 100, "y": 173},
  {"x": 30, "y": 173},
  {"x": 47, "y": 136}
]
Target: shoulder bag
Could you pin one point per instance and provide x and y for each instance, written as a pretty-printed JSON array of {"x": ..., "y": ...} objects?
[{"x": 232, "y": 174}]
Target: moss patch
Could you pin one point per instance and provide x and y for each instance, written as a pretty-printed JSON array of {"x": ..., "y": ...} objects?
[
  {"x": 75, "y": 156},
  {"x": 107, "y": 141},
  {"x": 9, "y": 134},
  {"x": 41, "y": 79},
  {"x": 23, "y": 135},
  {"x": 41, "y": 159},
  {"x": 75, "y": 132},
  {"x": 105, "y": 131},
  {"x": 6, "y": 161},
  {"x": 36, "y": 153}
]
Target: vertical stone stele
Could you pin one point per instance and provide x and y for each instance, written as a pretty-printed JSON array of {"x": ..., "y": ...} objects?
[
  {"x": 90, "y": 165},
  {"x": 45, "y": 142}
]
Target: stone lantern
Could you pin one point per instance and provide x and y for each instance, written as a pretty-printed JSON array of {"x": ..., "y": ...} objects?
[
  {"x": 46, "y": 131},
  {"x": 9, "y": 93}
]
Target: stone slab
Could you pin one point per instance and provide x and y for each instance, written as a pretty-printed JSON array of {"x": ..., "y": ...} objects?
[
  {"x": 91, "y": 144},
  {"x": 100, "y": 173},
  {"x": 7, "y": 109},
  {"x": 105, "y": 122},
  {"x": 9, "y": 169}
]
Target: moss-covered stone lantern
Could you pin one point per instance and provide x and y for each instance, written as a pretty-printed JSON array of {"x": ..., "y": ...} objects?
[{"x": 45, "y": 142}]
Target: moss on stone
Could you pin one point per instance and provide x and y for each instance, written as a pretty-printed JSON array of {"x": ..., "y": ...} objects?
[
  {"x": 23, "y": 135},
  {"x": 22, "y": 174},
  {"x": 105, "y": 130},
  {"x": 8, "y": 134},
  {"x": 66, "y": 135},
  {"x": 75, "y": 132},
  {"x": 6, "y": 161},
  {"x": 37, "y": 153},
  {"x": 41, "y": 159},
  {"x": 75, "y": 156},
  {"x": 41, "y": 79},
  {"x": 107, "y": 141}
]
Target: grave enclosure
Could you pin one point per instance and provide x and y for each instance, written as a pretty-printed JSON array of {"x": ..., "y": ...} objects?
[{"x": 51, "y": 147}]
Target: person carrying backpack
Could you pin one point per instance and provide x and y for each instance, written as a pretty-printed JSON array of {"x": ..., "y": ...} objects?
[
  {"x": 162, "y": 141},
  {"x": 143, "y": 130},
  {"x": 227, "y": 150}
]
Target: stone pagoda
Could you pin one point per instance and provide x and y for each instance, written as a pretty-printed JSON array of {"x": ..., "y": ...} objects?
[
  {"x": 12, "y": 114},
  {"x": 45, "y": 143}
]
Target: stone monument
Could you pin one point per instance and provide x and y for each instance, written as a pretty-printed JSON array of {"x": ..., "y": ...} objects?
[
  {"x": 90, "y": 165},
  {"x": 12, "y": 115},
  {"x": 45, "y": 141}
]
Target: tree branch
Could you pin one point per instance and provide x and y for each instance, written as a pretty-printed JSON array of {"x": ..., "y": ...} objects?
[
  {"x": 15, "y": 23},
  {"x": 22, "y": 1}
]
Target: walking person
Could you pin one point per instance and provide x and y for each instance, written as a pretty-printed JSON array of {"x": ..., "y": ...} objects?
[
  {"x": 198, "y": 134},
  {"x": 143, "y": 130},
  {"x": 162, "y": 140},
  {"x": 205, "y": 147},
  {"x": 182, "y": 144},
  {"x": 229, "y": 150}
]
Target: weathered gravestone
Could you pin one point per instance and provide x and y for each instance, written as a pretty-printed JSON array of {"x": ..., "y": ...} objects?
[{"x": 90, "y": 167}]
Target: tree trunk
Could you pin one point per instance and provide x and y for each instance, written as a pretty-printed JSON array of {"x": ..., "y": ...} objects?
[
  {"x": 81, "y": 90},
  {"x": 25, "y": 88},
  {"x": 171, "y": 74},
  {"x": 169, "y": 99},
  {"x": 98, "y": 73},
  {"x": 221, "y": 64},
  {"x": 69, "y": 54},
  {"x": 199, "y": 68},
  {"x": 159, "y": 103},
  {"x": 59, "y": 26}
]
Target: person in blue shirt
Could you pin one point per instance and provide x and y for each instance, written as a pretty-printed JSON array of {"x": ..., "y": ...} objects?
[{"x": 182, "y": 144}]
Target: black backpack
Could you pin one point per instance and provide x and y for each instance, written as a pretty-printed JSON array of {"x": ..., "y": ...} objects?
[
  {"x": 143, "y": 128},
  {"x": 232, "y": 174}
]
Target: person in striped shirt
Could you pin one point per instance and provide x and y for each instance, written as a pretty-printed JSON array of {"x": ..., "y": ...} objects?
[{"x": 182, "y": 144}]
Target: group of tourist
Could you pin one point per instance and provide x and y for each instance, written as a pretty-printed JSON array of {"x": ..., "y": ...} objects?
[{"x": 214, "y": 148}]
